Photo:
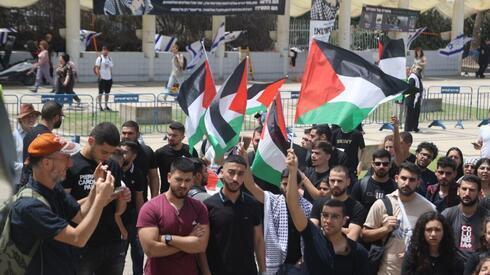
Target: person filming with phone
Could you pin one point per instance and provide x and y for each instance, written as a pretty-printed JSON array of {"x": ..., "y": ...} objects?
[{"x": 105, "y": 250}]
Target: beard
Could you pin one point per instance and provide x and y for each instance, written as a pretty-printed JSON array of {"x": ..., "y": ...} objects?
[
  {"x": 178, "y": 192},
  {"x": 406, "y": 191},
  {"x": 232, "y": 186},
  {"x": 469, "y": 203},
  {"x": 381, "y": 173},
  {"x": 57, "y": 125},
  {"x": 337, "y": 192}
]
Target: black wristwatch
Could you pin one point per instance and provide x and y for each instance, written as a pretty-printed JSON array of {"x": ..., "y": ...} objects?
[{"x": 168, "y": 239}]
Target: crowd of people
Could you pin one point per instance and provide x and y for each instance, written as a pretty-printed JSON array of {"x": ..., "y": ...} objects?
[{"x": 324, "y": 216}]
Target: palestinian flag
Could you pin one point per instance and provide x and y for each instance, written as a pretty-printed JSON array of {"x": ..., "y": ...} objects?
[
  {"x": 340, "y": 87},
  {"x": 273, "y": 145},
  {"x": 224, "y": 118},
  {"x": 195, "y": 96},
  {"x": 392, "y": 58},
  {"x": 261, "y": 95}
]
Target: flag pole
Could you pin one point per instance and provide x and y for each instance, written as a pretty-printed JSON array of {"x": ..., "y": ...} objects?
[
  {"x": 204, "y": 48},
  {"x": 292, "y": 136}
]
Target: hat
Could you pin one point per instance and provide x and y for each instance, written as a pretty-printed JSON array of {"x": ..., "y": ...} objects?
[
  {"x": 27, "y": 109},
  {"x": 471, "y": 160},
  {"x": 48, "y": 143}
]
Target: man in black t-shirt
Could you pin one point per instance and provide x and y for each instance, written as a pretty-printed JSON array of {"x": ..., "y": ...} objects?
[
  {"x": 320, "y": 156},
  {"x": 352, "y": 143},
  {"x": 378, "y": 184},
  {"x": 327, "y": 251},
  {"x": 104, "y": 252},
  {"x": 322, "y": 132},
  {"x": 173, "y": 150},
  {"x": 425, "y": 153},
  {"x": 135, "y": 180},
  {"x": 339, "y": 182},
  {"x": 145, "y": 159},
  {"x": 51, "y": 118}
]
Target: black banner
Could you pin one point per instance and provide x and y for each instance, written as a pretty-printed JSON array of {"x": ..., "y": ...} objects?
[
  {"x": 209, "y": 7},
  {"x": 388, "y": 19}
]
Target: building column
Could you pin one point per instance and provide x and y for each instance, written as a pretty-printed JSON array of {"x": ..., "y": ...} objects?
[
  {"x": 148, "y": 43},
  {"x": 403, "y": 4},
  {"x": 282, "y": 45},
  {"x": 220, "y": 52},
  {"x": 72, "y": 35},
  {"x": 344, "y": 24},
  {"x": 457, "y": 25}
]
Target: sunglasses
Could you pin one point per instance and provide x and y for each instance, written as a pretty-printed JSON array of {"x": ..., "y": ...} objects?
[{"x": 379, "y": 163}]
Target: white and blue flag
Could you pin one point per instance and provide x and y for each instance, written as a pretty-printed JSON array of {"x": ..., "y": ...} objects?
[
  {"x": 164, "y": 43},
  {"x": 219, "y": 38},
  {"x": 4, "y": 33},
  {"x": 414, "y": 35},
  {"x": 197, "y": 51},
  {"x": 456, "y": 46},
  {"x": 86, "y": 38}
]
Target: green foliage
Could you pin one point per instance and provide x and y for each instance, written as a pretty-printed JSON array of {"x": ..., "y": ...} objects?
[{"x": 436, "y": 24}]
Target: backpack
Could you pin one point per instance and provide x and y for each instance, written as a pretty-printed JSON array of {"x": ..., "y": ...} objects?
[
  {"x": 12, "y": 260},
  {"x": 376, "y": 252}
]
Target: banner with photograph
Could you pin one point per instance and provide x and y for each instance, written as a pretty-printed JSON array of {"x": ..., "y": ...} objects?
[
  {"x": 388, "y": 19},
  {"x": 210, "y": 7},
  {"x": 323, "y": 13}
]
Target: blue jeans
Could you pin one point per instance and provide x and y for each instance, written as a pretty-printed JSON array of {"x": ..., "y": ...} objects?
[{"x": 105, "y": 259}]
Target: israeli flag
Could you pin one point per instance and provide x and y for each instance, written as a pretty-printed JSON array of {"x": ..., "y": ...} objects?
[
  {"x": 219, "y": 38},
  {"x": 231, "y": 36},
  {"x": 4, "y": 33},
  {"x": 456, "y": 46},
  {"x": 196, "y": 51},
  {"x": 164, "y": 43},
  {"x": 86, "y": 38},
  {"x": 414, "y": 35}
]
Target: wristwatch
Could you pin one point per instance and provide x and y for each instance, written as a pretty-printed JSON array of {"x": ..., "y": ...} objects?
[{"x": 168, "y": 239}]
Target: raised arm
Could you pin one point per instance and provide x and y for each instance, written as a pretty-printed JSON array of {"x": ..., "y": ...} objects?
[
  {"x": 396, "y": 140},
  {"x": 249, "y": 182},
  {"x": 314, "y": 192},
  {"x": 292, "y": 198}
]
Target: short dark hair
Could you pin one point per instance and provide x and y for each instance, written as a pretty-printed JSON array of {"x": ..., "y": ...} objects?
[
  {"x": 105, "y": 132},
  {"x": 473, "y": 179},
  {"x": 336, "y": 203},
  {"x": 429, "y": 146},
  {"x": 410, "y": 167},
  {"x": 285, "y": 174},
  {"x": 177, "y": 126},
  {"x": 406, "y": 137},
  {"x": 198, "y": 165},
  {"x": 133, "y": 146},
  {"x": 131, "y": 124},
  {"x": 184, "y": 165},
  {"x": 50, "y": 110},
  {"x": 235, "y": 159},
  {"x": 323, "y": 129},
  {"x": 445, "y": 162},
  {"x": 381, "y": 153},
  {"x": 324, "y": 146},
  {"x": 65, "y": 57},
  {"x": 307, "y": 131},
  {"x": 342, "y": 169}
]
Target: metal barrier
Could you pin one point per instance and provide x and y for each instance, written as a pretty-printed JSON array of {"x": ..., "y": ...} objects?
[
  {"x": 123, "y": 107},
  {"x": 176, "y": 112},
  {"x": 12, "y": 106},
  {"x": 78, "y": 118},
  {"x": 482, "y": 104},
  {"x": 457, "y": 102}
]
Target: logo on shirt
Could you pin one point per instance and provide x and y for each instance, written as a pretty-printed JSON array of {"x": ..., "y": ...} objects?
[
  {"x": 86, "y": 182},
  {"x": 466, "y": 240}
]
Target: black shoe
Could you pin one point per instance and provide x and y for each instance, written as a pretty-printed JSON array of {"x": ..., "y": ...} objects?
[
  {"x": 101, "y": 109},
  {"x": 52, "y": 91},
  {"x": 416, "y": 130},
  {"x": 108, "y": 109}
]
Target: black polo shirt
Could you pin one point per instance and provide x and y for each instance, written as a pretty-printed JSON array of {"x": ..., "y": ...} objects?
[
  {"x": 164, "y": 158},
  {"x": 135, "y": 180},
  {"x": 32, "y": 220},
  {"x": 145, "y": 160},
  {"x": 231, "y": 240}
]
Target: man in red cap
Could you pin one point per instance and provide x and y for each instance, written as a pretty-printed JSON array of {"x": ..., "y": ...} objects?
[
  {"x": 32, "y": 220},
  {"x": 26, "y": 118}
]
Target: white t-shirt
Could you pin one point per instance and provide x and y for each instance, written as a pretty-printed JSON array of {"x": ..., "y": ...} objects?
[
  {"x": 484, "y": 136},
  {"x": 105, "y": 65}
]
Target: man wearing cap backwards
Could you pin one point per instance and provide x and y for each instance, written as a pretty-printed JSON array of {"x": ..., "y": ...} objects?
[
  {"x": 27, "y": 118},
  {"x": 32, "y": 220},
  {"x": 104, "y": 253}
]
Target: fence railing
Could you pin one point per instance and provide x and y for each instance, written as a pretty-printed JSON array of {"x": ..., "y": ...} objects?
[{"x": 155, "y": 112}]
